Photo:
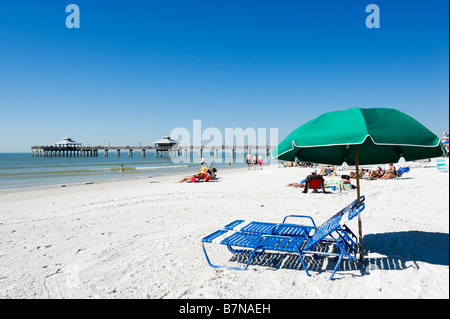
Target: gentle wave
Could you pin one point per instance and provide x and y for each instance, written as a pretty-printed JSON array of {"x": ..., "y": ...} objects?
[
  {"x": 156, "y": 167},
  {"x": 91, "y": 170}
]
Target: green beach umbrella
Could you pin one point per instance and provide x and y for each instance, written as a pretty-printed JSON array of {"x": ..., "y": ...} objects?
[{"x": 360, "y": 136}]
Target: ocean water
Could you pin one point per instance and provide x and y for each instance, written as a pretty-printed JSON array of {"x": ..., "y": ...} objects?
[{"x": 20, "y": 171}]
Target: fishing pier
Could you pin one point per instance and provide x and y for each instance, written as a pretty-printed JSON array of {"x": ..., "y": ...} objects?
[{"x": 162, "y": 148}]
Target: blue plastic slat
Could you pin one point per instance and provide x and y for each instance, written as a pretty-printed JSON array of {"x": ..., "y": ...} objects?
[
  {"x": 233, "y": 224},
  {"x": 258, "y": 227},
  {"x": 249, "y": 240},
  {"x": 210, "y": 238}
]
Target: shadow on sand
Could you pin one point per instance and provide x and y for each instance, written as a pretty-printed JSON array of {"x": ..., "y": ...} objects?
[
  {"x": 399, "y": 250},
  {"x": 432, "y": 248}
]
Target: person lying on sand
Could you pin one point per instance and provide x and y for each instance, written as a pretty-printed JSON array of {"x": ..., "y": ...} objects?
[
  {"x": 206, "y": 176},
  {"x": 362, "y": 173},
  {"x": 301, "y": 184},
  {"x": 376, "y": 173},
  {"x": 365, "y": 173}
]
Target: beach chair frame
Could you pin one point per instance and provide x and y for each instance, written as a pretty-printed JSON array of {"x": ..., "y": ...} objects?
[{"x": 332, "y": 231}]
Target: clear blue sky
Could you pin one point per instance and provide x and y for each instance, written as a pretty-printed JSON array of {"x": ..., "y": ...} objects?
[{"x": 135, "y": 70}]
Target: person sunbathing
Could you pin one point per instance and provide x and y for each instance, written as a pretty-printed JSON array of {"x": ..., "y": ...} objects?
[
  {"x": 188, "y": 178},
  {"x": 206, "y": 176},
  {"x": 301, "y": 184},
  {"x": 375, "y": 173},
  {"x": 362, "y": 172},
  {"x": 390, "y": 173},
  {"x": 327, "y": 170}
]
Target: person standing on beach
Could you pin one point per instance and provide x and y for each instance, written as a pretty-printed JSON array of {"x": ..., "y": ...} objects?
[
  {"x": 254, "y": 160},
  {"x": 260, "y": 161},
  {"x": 248, "y": 160},
  {"x": 121, "y": 168}
]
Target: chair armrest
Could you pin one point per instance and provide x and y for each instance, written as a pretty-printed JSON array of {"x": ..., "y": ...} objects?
[{"x": 300, "y": 216}]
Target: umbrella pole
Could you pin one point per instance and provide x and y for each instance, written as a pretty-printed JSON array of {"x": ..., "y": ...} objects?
[{"x": 361, "y": 253}]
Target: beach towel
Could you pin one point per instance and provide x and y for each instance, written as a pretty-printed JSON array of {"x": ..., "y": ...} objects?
[{"x": 339, "y": 184}]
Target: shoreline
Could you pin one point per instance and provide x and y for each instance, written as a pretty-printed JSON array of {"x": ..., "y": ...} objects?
[
  {"x": 168, "y": 175},
  {"x": 21, "y": 172},
  {"x": 102, "y": 181}
]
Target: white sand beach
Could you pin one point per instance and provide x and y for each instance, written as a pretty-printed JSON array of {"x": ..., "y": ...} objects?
[{"x": 142, "y": 238}]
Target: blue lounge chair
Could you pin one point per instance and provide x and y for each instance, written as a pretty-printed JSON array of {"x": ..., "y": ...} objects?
[
  {"x": 402, "y": 170},
  {"x": 442, "y": 165},
  {"x": 333, "y": 231}
]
